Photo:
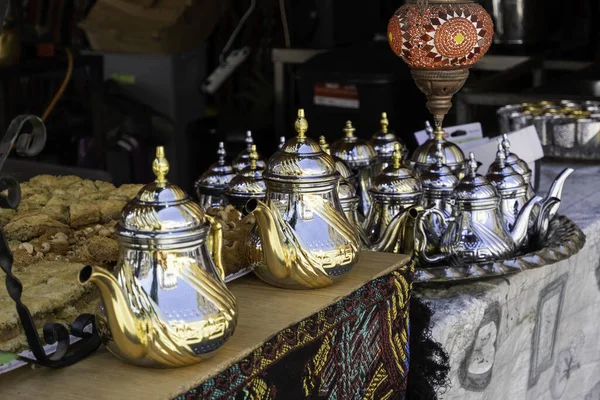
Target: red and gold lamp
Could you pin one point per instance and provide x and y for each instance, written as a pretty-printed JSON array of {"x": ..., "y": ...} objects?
[{"x": 440, "y": 40}]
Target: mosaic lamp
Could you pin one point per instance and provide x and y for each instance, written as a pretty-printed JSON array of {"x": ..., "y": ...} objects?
[{"x": 440, "y": 40}]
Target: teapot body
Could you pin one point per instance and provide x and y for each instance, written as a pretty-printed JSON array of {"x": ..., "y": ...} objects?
[
  {"x": 384, "y": 210},
  {"x": 476, "y": 236},
  {"x": 315, "y": 230},
  {"x": 178, "y": 300}
]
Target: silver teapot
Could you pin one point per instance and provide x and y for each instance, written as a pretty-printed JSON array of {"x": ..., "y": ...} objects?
[
  {"x": 383, "y": 142},
  {"x": 438, "y": 182},
  {"x": 302, "y": 239},
  {"x": 243, "y": 159},
  {"x": 247, "y": 184},
  {"x": 477, "y": 233},
  {"x": 212, "y": 184},
  {"x": 395, "y": 197},
  {"x": 515, "y": 190},
  {"x": 424, "y": 155},
  {"x": 361, "y": 157}
]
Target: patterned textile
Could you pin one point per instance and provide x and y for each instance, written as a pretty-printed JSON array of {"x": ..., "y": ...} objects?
[{"x": 356, "y": 348}]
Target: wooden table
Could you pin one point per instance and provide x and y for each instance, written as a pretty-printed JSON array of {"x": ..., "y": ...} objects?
[{"x": 263, "y": 311}]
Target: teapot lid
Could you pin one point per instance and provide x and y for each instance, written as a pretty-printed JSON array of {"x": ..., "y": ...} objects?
[
  {"x": 438, "y": 177},
  {"x": 474, "y": 187},
  {"x": 340, "y": 166},
  {"x": 249, "y": 181},
  {"x": 383, "y": 140},
  {"x": 503, "y": 176},
  {"x": 356, "y": 152},
  {"x": 218, "y": 175},
  {"x": 301, "y": 159},
  {"x": 513, "y": 160},
  {"x": 161, "y": 209},
  {"x": 243, "y": 159},
  {"x": 424, "y": 155},
  {"x": 396, "y": 180}
]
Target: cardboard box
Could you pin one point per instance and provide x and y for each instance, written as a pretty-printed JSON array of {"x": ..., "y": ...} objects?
[{"x": 151, "y": 26}]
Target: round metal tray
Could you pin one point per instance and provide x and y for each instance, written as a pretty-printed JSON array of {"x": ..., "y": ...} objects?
[{"x": 565, "y": 239}]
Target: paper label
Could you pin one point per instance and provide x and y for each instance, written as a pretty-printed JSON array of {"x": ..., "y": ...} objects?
[
  {"x": 525, "y": 143},
  {"x": 456, "y": 134},
  {"x": 336, "y": 95},
  {"x": 14, "y": 364}
]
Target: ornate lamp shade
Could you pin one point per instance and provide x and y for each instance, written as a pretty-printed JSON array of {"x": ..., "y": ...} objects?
[{"x": 440, "y": 40}]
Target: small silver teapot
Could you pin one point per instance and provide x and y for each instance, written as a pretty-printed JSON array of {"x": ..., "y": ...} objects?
[
  {"x": 438, "y": 182},
  {"x": 515, "y": 190},
  {"x": 396, "y": 197},
  {"x": 247, "y": 184},
  {"x": 383, "y": 142},
  {"x": 361, "y": 157},
  {"x": 212, "y": 184},
  {"x": 243, "y": 159},
  {"x": 477, "y": 234}
]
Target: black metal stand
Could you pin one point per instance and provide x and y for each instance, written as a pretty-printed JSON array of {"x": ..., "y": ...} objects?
[{"x": 84, "y": 326}]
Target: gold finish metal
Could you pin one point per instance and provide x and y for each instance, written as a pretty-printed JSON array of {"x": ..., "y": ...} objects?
[
  {"x": 301, "y": 124},
  {"x": 349, "y": 129},
  {"x": 396, "y": 156},
  {"x": 160, "y": 166},
  {"x": 395, "y": 198},
  {"x": 384, "y": 122},
  {"x": 253, "y": 157},
  {"x": 166, "y": 303},
  {"x": 302, "y": 239},
  {"x": 439, "y": 86}
]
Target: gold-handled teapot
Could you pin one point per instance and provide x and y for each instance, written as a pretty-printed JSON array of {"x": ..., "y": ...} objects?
[
  {"x": 477, "y": 233},
  {"x": 166, "y": 303},
  {"x": 247, "y": 184},
  {"x": 301, "y": 240},
  {"x": 395, "y": 197}
]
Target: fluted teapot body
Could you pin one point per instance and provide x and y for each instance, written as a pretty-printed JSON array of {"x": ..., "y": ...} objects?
[
  {"x": 166, "y": 303},
  {"x": 302, "y": 239},
  {"x": 477, "y": 233}
]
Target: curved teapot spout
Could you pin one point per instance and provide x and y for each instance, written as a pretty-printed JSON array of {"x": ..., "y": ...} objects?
[
  {"x": 555, "y": 193},
  {"x": 123, "y": 326},
  {"x": 278, "y": 257},
  {"x": 396, "y": 237},
  {"x": 518, "y": 234},
  {"x": 542, "y": 221}
]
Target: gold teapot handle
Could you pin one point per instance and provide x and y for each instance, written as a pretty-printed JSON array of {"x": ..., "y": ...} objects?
[{"x": 214, "y": 241}]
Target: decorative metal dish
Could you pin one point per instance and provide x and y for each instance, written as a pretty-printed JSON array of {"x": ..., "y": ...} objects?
[{"x": 565, "y": 239}]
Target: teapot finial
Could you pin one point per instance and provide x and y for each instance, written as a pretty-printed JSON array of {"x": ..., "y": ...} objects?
[
  {"x": 439, "y": 154},
  {"x": 384, "y": 122},
  {"x": 281, "y": 141},
  {"x": 221, "y": 153},
  {"x": 396, "y": 156},
  {"x": 249, "y": 140},
  {"x": 349, "y": 129},
  {"x": 160, "y": 166},
  {"x": 253, "y": 157},
  {"x": 472, "y": 164},
  {"x": 301, "y": 124},
  {"x": 506, "y": 143},
  {"x": 429, "y": 129},
  {"x": 501, "y": 154},
  {"x": 324, "y": 145}
]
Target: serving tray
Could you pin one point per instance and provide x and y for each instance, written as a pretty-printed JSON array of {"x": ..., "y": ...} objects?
[{"x": 565, "y": 239}]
